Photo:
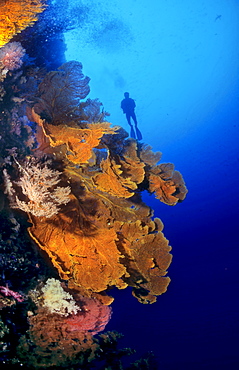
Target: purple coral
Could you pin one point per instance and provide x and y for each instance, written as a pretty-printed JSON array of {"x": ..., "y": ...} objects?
[{"x": 11, "y": 56}]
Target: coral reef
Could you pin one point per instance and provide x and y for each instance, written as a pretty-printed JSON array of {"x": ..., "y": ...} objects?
[
  {"x": 103, "y": 235},
  {"x": 56, "y": 345},
  {"x": 71, "y": 324},
  {"x": 60, "y": 349},
  {"x": 79, "y": 182},
  {"x": 77, "y": 312},
  {"x": 16, "y": 15}
]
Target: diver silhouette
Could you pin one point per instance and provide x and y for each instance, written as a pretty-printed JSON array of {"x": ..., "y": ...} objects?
[{"x": 128, "y": 106}]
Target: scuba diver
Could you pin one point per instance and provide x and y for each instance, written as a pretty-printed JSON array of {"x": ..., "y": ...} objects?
[{"x": 128, "y": 106}]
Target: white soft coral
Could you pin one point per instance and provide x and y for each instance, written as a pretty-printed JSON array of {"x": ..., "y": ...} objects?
[{"x": 37, "y": 183}]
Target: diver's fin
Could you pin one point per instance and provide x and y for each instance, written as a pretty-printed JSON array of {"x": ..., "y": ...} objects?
[
  {"x": 132, "y": 133},
  {"x": 138, "y": 133}
]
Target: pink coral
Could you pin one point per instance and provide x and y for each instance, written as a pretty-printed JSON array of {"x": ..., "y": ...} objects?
[
  {"x": 8, "y": 292},
  {"x": 93, "y": 316},
  {"x": 11, "y": 56}
]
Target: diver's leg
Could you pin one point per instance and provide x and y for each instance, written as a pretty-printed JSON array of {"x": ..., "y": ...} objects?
[
  {"x": 128, "y": 118},
  {"x": 138, "y": 133},
  {"x": 132, "y": 133},
  {"x": 134, "y": 118}
]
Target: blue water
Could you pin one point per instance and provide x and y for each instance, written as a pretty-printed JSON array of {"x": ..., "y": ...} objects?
[{"x": 180, "y": 62}]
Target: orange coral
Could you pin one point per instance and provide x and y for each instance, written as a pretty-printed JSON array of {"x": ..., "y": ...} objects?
[
  {"x": 164, "y": 190},
  {"x": 148, "y": 258},
  {"x": 94, "y": 251},
  {"x": 104, "y": 237},
  {"x": 131, "y": 164},
  {"x": 89, "y": 257},
  {"x": 168, "y": 185},
  {"x": 123, "y": 174},
  {"x": 79, "y": 142},
  {"x": 110, "y": 180},
  {"x": 148, "y": 156},
  {"x": 16, "y": 15}
]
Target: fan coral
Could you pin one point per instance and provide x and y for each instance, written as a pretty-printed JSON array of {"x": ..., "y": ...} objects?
[
  {"x": 60, "y": 92},
  {"x": 11, "y": 56},
  {"x": 106, "y": 241},
  {"x": 148, "y": 156},
  {"x": 122, "y": 173},
  {"x": 93, "y": 316},
  {"x": 77, "y": 144},
  {"x": 93, "y": 111},
  {"x": 16, "y": 15},
  {"x": 92, "y": 261},
  {"x": 105, "y": 236},
  {"x": 167, "y": 184}
]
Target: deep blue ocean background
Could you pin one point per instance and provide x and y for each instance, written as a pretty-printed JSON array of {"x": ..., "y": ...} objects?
[{"x": 180, "y": 62}]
